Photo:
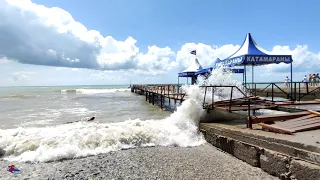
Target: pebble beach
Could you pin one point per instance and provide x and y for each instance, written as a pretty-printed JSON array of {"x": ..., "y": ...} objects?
[{"x": 201, "y": 162}]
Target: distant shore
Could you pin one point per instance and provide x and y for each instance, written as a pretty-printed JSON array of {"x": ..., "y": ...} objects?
[{"x": 202, "y": 162}]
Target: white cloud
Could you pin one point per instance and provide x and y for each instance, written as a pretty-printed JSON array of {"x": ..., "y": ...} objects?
[
  {"x": 303, "y": 59},
  {"x": 206, "y": 54},
  {"x": 103, "y": 75},
  {"x": 35, "y": 34},
  {"x": 22, "y": 76}
]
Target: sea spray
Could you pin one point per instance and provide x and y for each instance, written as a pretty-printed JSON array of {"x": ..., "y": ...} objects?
[
  {"x": 221, "y": 77},
  {"x": 82, "y": 139},
  {"x": 94, "y": 91}
]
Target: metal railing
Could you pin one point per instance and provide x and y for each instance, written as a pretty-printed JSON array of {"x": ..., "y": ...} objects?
[
  {"x": 213, "y": 89},
  {"x": 297, "y": 92},
  {"x": 168, "y": 90}
]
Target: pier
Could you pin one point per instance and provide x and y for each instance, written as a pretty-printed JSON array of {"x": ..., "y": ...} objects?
[
  {"x": 248, "y": 102},
  {"x": 284, "y": 145},
  {"x": 158, "y": 93}
]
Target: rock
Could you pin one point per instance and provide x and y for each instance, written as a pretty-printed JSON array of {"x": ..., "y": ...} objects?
[
  {"x": 2, "y": 152},
  {"x": 91, "y": 119}
]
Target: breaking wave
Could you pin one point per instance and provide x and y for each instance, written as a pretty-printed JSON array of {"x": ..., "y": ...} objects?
[
  {"x": 94, "y": 91},
  {"x": 81, "y": 139}
]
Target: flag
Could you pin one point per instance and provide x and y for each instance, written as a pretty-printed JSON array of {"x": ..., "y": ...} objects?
[{"x": 194, "y": 52}]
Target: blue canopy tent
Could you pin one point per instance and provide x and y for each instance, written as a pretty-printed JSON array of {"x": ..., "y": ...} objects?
[
  {"x": 190, "y": 71},
  {"x": 250, "y": 54}
]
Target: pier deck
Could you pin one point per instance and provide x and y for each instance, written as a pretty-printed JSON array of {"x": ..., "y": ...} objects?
[{"x": 156, "y": 94}]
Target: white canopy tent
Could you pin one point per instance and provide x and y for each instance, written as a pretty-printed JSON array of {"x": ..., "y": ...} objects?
[{"x": 191, "y": 70}]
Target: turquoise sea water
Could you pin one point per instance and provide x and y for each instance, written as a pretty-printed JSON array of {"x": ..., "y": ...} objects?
[{"x": 52, "y": 105}]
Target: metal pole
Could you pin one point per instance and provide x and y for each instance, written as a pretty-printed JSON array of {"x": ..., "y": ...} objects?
[
  {"x": 178, "y": 88},
  {"x": 291, "y": 81},
  {"x": 243, "y": 78},
  {"x": 252, "y": 78},
  {"x": 245, "y": 75}
]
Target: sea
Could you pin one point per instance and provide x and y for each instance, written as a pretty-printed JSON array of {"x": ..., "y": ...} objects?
[
  {"x": 45, "y": 124},
  {"x": 49, "y": 123}
]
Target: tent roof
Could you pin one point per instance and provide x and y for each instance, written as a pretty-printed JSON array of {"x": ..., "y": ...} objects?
[
  {"x": 249, "y": 46},
  {"x": 194, "y": 67},
  {"x": 190, "y": 71},
  {"x": 251, "y": 54}
]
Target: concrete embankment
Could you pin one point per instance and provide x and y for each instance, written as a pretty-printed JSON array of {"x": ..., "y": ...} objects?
[{"x": 282, "y": 157}]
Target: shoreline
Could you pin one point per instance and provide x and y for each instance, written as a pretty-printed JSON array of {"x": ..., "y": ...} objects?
[{"x": 159, "y": 162}]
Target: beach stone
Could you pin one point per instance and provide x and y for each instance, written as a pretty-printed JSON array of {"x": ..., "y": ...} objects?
[
  {"x": 2, "y": 152},
  {"x": 201, "y": 162},
  {"x": 274, "y": 163}
]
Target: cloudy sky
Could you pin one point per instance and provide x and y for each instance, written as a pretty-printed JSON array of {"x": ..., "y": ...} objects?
[{"x": 76, "y": 42}]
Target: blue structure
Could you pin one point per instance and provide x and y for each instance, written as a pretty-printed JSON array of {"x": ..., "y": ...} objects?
[
  {"x": 190, "y": 72},
  {"x": 250, "y": 54}
]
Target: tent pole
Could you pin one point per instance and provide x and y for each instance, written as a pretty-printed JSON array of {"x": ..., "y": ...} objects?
[
  {"x": 291, "y": 81},
  {"x": 245, "y": 76},
  {"x": 252, "y": 78},
  {"x": 178, "y": 85}
]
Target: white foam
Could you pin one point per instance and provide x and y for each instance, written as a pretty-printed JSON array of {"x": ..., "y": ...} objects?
[
  {"x": 221, "y": 77},
  {"x": 90, "y": 138},
  {"x": 84, "y": 138},
  {"x": 94, "y": 91}
]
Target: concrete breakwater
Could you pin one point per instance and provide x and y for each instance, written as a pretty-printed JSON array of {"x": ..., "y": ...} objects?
[{"x": 285, "y": 159}]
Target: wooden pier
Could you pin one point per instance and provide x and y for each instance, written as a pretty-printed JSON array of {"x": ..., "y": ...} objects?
[
  {"x": 290, "y": 123},
  {"x": 301, "y": 120},
  {"x": 158, "y": 93}
]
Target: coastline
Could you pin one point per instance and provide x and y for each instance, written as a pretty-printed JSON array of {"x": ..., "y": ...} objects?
[{"x": 201, "y": 162}]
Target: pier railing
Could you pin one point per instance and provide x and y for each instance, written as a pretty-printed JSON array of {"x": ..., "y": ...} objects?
[
  {"x": 168, "y": 90},
  {"x": 213, "y": 89},
  {"x": 228, "y": 101},
  {"x": 298, "y": 91}
]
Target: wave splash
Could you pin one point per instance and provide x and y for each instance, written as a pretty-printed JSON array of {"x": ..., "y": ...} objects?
[
  {"x": 82, "y": 139},
  {"x": 94, "y": 91}
]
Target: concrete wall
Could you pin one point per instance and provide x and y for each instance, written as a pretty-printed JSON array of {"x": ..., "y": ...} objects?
[{"x": 274, "y": 163}]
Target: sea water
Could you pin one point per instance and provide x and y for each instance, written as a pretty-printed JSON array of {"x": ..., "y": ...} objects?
[{"x": 35, "y": 120}]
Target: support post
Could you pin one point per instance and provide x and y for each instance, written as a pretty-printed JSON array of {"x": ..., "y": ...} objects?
[
  {"x": 249, "y": 120},
  {"x": 230, "y": 99},
  {"x": 245, "y": 76},
  {"x": 252, "y": 78},
  {"x": 272, "y": 92},
  {"x": 178, "y": 88},
  {"x": 299, "y": 91},
  {"x": 152, "y": 98},
  {"x": 291, "y": 81},
  {"x": 295, "y": 91}
]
